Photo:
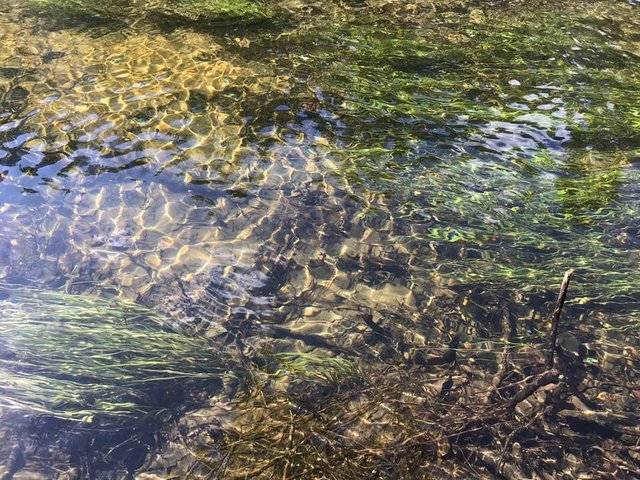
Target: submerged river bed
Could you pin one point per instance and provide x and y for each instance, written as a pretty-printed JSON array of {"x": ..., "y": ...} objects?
[{"x": 287, "y": 248}]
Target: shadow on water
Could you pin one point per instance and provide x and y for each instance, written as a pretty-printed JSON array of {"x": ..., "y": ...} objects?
[{"x": 346, "y": 228}]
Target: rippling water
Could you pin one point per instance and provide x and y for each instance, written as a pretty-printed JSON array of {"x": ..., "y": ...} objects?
[{"x": 263, "y": 188}]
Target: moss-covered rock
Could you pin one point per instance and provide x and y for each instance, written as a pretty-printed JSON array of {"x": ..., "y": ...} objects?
[
  {"x": 84, "y": 8},
  {"x": 208, "y": 11},
  {"x": 225, "y": 11}
]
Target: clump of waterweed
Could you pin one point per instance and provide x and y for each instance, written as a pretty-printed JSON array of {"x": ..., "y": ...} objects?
[{"x": 84, "y": 358}]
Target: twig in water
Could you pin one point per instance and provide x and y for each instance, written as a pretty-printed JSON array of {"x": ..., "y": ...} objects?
[{"x": 555, "y": 318}]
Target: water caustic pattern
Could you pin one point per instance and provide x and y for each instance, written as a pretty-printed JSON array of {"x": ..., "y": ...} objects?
[
  {"x": 307, "y": 207},
  {"x": 129, "y": 102}
]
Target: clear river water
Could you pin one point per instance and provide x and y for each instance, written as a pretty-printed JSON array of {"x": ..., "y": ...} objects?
[{"x": 210, "y": 231}]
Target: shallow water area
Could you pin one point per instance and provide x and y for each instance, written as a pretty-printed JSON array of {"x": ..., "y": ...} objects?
[{"x": 277, "y": 221}]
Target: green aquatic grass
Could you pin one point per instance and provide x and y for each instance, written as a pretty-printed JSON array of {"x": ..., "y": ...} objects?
[
  {"x": 313, "y": 368},
  {"x": 81, "y": 357},
  {"x": 406, "y": 78},
  {"x": 510, "y": 142}
]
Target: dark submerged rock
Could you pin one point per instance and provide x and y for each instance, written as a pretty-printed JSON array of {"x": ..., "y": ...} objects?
[{"x": 231, "y": 12}]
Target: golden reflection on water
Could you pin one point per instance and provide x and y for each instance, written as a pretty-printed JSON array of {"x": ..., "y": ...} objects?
[{"x": 124, "y": 100}]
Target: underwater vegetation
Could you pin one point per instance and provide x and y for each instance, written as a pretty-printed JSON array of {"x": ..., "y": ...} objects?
[
  {"x": 206, "y": 11},
  {"x": 505, "y": 135},
  {"x": 346, "y": 221},
  {"x": 230, "y": 11},
  {"x": 86, "y": 359}
]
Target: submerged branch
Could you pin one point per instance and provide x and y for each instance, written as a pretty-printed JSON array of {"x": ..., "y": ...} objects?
[{"x": 555, "y": 319}]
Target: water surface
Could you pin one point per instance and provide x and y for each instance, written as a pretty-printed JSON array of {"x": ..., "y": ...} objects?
[{"x": 267, "y": 193}]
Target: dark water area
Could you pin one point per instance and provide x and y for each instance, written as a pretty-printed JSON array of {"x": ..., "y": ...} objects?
[{"x": 303, "y": 247}]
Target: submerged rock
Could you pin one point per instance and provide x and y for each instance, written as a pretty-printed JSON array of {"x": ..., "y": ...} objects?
[
  {"x": 84, "y": 8},
  {"x": 217, "y": 11},
  {"x": 208, "y": 11}
]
